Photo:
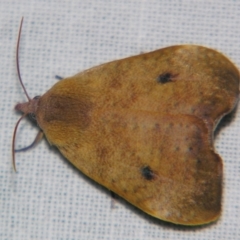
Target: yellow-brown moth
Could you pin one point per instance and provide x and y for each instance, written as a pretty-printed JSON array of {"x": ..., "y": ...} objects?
[{"x": 143, "y": 128}]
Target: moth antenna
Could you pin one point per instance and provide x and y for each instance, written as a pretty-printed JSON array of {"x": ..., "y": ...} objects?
[
  {"x": 13, "y": 141},
  {"x": 35, "y": 141},
  {"x": 17, "y": 60},
  {"x": 25, "y": 91}
]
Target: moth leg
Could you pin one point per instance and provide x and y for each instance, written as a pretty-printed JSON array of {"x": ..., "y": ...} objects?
[
  {"x": 59, "y": 77},
  {"x": 35, "y": 141}
]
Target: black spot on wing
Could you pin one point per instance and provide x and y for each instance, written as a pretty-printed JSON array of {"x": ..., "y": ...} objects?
[
  {"x": 147, "y": 173},
  {"x": 165, "y": 78}
]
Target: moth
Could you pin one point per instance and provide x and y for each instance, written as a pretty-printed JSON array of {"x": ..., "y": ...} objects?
[{"x": 143, "y": 128}]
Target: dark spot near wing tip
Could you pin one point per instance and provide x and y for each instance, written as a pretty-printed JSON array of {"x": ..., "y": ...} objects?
[
  {"x": 147, "y": 173},
  {"x": 165, "y": 78}
]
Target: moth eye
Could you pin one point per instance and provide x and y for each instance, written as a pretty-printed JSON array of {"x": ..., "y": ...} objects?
[
  {"x": 36, "y": 97},
  {"x": 164, "y": 78},
  {"x": 147, "y": 173},
  {"x": 33, "y": 116}
]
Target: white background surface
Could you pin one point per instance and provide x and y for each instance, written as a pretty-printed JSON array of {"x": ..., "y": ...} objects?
[{"x": 48, "y": 198}]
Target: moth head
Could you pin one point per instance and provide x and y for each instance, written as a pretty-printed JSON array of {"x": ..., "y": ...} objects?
[{"x": 29, "y": 107}]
